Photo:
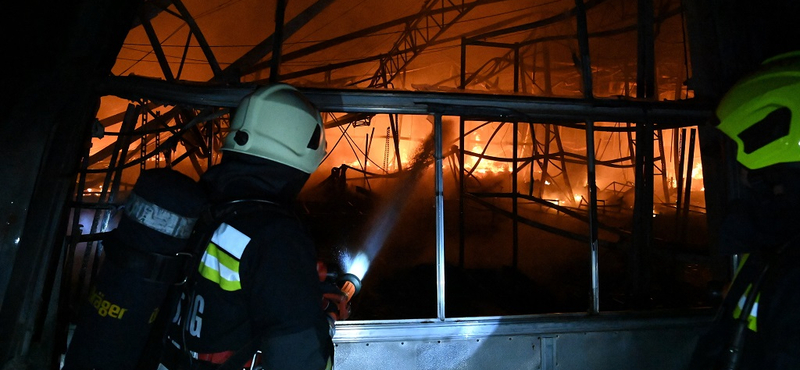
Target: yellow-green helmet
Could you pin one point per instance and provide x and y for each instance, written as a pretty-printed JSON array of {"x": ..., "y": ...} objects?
[
  {"x": 761, "y": 113},
  {"x": 278, "y": 123}
]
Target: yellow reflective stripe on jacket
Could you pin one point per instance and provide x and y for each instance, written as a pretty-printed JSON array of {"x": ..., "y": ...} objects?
[
  {"x": 220, "y": 268},
  {"x": 741, "y": 264},
  {"x": 220, "y": 262},
  {"x": 753, "y": 316}
]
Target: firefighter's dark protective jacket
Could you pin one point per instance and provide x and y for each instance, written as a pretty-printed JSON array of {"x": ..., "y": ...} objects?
[
  {"x": 257, "y": 279},
  {"x": 772, "y": 335}
]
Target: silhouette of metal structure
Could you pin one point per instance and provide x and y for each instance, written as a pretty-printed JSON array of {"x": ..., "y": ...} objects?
[{"x": 170, "y": 121}]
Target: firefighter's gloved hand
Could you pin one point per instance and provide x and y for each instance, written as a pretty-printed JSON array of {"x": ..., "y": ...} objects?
[{"x": 335, "y": 303}]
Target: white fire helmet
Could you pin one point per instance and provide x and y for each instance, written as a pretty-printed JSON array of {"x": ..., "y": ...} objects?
[{"x": 278, "y": 123}]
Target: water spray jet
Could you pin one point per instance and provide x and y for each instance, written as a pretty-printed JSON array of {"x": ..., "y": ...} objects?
[
  {"x": 386, "y": 218},
  {"x": 356, "y": 265}
]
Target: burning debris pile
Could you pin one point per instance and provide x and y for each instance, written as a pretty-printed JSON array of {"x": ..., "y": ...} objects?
[{"x": 392, "y": 235}]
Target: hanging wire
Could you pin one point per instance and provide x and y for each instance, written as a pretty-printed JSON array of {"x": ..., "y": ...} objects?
[{"x": 386, "y": 150}]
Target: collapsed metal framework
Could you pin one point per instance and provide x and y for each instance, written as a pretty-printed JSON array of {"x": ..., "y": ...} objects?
[
  {"x": 402, "y": 342},
  {"x": 201, "y": 113},
  {"x": 577, "y": 336},
  {"x": 468, "y": 106}
]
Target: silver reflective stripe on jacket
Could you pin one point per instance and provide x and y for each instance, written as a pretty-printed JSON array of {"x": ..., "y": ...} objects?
[{"x": 157, "y": 218}]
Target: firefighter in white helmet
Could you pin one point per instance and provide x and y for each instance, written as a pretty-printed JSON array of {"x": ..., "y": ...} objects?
[
  {"x": 758, "y": 325},
  {"x": 257, "y": 287}
]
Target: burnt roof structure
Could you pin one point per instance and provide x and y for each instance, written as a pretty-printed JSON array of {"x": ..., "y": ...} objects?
[{"x": 97, "y": 90}]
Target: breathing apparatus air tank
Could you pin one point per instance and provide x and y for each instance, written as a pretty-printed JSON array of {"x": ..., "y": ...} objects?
[{"x": 142, "y": 261}]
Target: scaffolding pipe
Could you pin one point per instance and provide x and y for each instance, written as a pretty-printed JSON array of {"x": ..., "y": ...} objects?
[
  {"x": 437, "y": 127},
  {"x": 514, "y": 198},
  {"x": 394, "y": 125},
  {"x": 515, "y": 169},
  {"x": 462, "y": 190},
  {"x": 277, "y": 46},
  {"x": 201, "y": 40},
  {"x": 544, "y": 165},
  {"x": 586, "y": 72},
  {"x": 679, "y": 174},
  {"x": 461, "y": 177},
  {"x": 516, "y": 68},
  {"x": 532, "y": 168},
  {"x": 662, "y": 159},
  {"x": 560, "y": 111},
  {"x": 157, "y": 49},
  {"x": 639, "y": 259},
  {"x": 688, "y": 188},
  {"x": 210, "y": 143}
]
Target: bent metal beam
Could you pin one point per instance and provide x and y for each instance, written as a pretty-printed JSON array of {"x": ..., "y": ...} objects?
[{"x": 666, "y": 114}]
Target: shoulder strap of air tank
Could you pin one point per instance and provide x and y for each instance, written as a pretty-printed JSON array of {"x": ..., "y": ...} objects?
[
  {"x": 210, "y": 219},
  {"x": 217, "y": 215}
]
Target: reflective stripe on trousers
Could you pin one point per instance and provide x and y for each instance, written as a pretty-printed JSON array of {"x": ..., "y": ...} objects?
[{"x": 753, "y": 316}]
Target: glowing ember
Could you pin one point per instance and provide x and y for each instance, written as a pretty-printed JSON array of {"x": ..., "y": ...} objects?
[{"x": 697, "y": 171}]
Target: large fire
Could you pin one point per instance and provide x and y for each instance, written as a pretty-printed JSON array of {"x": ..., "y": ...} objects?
[{"x": 553, "y": 171}]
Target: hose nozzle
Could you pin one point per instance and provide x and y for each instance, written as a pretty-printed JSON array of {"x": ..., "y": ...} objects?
[{"x": 349, "y": 284}]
